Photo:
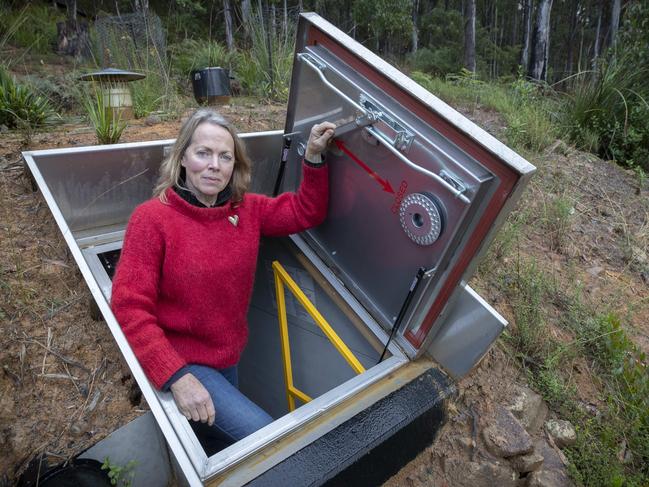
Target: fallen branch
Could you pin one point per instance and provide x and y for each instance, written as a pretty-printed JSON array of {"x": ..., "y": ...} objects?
[
  {"x": 12, "y": 374},
  {"x": 58, "y": 376},
  {"x": 50, "y": 314},
  {"x": 60, "y": 356}
]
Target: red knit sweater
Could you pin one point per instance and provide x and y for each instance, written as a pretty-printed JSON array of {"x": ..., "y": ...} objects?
[{"x": 185, "y": 275}]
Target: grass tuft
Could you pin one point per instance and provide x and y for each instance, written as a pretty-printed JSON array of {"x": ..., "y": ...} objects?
[
  {"x": 527, "y": 114},
  {"x": 606, "y": 111},
  {"x": 106, "y": 121}
]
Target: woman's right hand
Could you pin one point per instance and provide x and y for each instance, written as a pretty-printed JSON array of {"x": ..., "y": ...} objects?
[
  {"x": 319, "y": 137},
  {"x": 193, "y": 400}
]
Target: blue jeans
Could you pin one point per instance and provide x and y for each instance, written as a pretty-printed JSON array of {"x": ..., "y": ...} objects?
[{"x": 236, "y": 415}]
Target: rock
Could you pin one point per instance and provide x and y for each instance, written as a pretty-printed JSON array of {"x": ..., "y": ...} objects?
[
  {"x": 639, "y": 255},
  {"x": 505, "y": 437},
  {"x": 595, "y": 271},
  {"x": 467, "y": 444},
  {"x": 95, "y": 400},
  {"x": 3, "y": 128},
  {"x": 589, "y": 409},
  {"x": 79, "y": 428},
  {"x": 552, "y": 459},
  {"x": 529, "y": 408},
  {"x": 624, "y": 455},
  {"x": 559, "y": 147},
  {"x": 473, "y": 474},
  {"x": 562, "y": 432},
  {"x": 151, "y": 120},
  {"x": 645, "y": 277},
  {"x": 548, "y": 478},
  {"x": 526, "y": 463}
]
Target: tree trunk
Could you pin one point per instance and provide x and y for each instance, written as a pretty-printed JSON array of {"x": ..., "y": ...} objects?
[
  {"x": 581, "y": 48},
  {"x": 142, "y": 6},
  {"x": 73, "y": 38},
  {"x": 269, "y": 48},
  {"x": 71, "y": 6},
  {"x": 246, "y": 17},
  {"x": 541, "y": 42},
  {"x": 572, "y": 34},
  {"x": 415, "y": 32},
  {"x": 469, "y": 35},
  {"x": 494, "y": 60},
  {"x": 596, "y": 46},
  {"x": 285, "y": 23},
  {"x": 513, "y": 36},
  {"x": 615, "y": 21},
  {"x": 273, "y": 22},
  {"x": 527, "y": 29},
  {"x": 227, "y": 13}
]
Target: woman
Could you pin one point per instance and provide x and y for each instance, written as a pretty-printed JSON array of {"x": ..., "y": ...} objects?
[{"x": 184, "y": 280}]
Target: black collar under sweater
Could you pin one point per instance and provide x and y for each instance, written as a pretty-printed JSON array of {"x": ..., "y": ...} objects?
[{"x": 222, "y": 198}]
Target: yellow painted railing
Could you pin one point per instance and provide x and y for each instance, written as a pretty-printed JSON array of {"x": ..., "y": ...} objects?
[{"x": 282, "y": 278}]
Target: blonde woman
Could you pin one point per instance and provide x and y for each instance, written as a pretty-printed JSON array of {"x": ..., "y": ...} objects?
[{"x": 184, "y": 280}]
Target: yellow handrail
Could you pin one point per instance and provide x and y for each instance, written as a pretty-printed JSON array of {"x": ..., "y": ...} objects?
[{"x": 283, "y": 278}]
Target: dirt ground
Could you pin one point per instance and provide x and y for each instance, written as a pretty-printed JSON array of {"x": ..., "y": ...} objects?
[{"x": 63, "y": 386}]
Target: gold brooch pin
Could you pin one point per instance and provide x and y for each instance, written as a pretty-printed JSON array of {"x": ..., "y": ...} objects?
[{"x": 234, "y": 219}]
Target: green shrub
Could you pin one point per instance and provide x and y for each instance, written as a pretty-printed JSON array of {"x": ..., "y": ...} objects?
[
  {"x": 191, "y": 54},
  {"x": 105, "y": 120},
  {"x": 442, "y": 30},
  {"x": 148, "y": 94},
  {"x": 527, "y": 115},
  {"x": 33, "y": 26},
  {"x": 606, "y": 112},
  {"x": 439, "y": 62},
  {"x": 61, "y": 90},
  {"x": 20, "y": 107},
  {"x": 257, "y": 74},
  {"x": 613, "y": 445}
]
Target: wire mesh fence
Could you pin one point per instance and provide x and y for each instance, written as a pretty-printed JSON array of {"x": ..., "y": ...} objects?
[{"x": 131, "y": 38}]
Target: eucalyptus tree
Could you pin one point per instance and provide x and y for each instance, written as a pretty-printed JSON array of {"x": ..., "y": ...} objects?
[
  {"x": 538, "y": 69},
  {"x": 527, "y": 30},
  {"x": 469, "y": 35}
]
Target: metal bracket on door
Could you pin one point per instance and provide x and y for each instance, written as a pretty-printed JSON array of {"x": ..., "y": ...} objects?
[{"x": 402, "y": 138}]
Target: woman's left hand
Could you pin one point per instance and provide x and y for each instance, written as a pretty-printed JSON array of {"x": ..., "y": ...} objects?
[{"x": 319, "y": 137}]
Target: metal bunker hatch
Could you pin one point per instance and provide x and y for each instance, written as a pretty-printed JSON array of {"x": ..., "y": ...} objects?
[{"x": 417, "y": 192}]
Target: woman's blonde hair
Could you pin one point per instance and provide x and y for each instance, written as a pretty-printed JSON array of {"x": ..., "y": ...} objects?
[{"x": 171, "y": 168}]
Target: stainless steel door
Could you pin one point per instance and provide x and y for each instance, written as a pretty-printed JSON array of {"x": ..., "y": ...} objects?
[{"x": 416, "y": 188}]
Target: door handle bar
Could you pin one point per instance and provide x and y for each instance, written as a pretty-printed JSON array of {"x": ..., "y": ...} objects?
[
  {"x": 319, "y": 68},
  {"x": 379, "y": 136}
]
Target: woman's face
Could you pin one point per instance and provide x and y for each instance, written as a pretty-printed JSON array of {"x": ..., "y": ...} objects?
[{"x": 209, "y": 162}]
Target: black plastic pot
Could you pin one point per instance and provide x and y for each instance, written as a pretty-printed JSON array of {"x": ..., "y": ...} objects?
[
  {"x": 211, "y": 85},
  {"x": 76, "y": 473}
]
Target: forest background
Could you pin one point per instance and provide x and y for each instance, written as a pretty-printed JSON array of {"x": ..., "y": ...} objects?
[
  {"x": 563, "y": 76},
  {"x": 584, "y": 63}
]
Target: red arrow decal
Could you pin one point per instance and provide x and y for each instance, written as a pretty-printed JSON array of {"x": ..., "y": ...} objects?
[{"x": 385, "y": 184}]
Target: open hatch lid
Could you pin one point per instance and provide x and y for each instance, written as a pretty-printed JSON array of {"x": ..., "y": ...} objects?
[{"x": 416, "y": 189}]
